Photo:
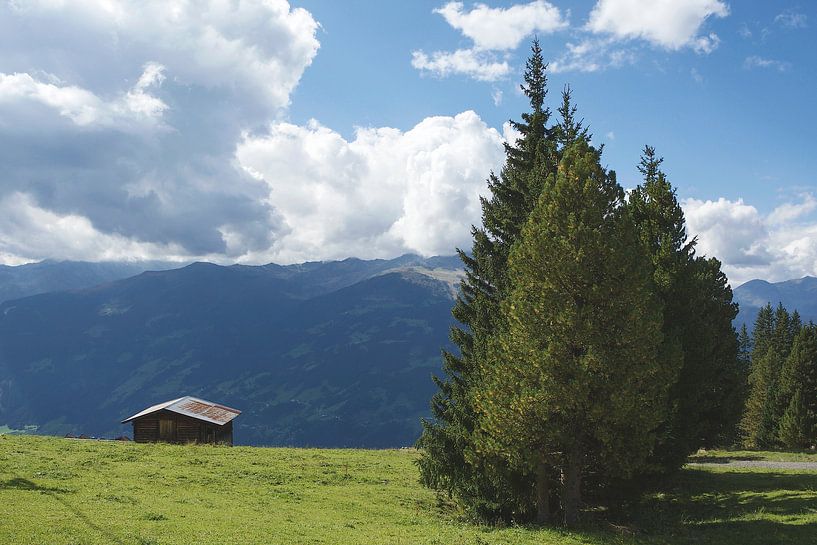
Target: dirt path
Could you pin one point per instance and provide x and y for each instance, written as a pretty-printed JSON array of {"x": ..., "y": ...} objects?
[{"x": 808, "y": 466}]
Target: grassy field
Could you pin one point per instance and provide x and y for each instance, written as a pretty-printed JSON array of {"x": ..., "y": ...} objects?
[{"x": 70, "y": 492}]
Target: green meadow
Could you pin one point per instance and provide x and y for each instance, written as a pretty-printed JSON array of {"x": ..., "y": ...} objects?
[{"x": 72, "y": 492}]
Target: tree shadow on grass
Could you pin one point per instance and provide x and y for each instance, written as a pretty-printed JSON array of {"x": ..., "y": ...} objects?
[
  {"x": 733, "y": 507},
  {"x": 24, "y": 484},
  {"x": 58, "y": 494}
]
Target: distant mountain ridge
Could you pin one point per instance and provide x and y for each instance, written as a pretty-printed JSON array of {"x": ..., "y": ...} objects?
[
  {"x": 47, "y": 276},
  {"x": 325, "y": 354},
  {"x": 799, "y": 294}
]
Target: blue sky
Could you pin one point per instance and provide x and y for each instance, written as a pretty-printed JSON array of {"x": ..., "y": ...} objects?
[
  {"x": 726, "y": 128},
  {"x": 260, "y": 131}
]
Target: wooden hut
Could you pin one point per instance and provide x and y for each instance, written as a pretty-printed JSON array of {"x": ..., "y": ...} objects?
[{"x": 184, "y": 420}]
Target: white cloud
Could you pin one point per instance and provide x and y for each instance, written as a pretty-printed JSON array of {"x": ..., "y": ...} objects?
[
  {"x": 83, "y": 107},
  {"x": 29, "y": 233},
  {"x": 792, "y": 19},
  {"x": 592, "y": 55},
  {"x": 756, "y": 61},
  {"x": 503, "y": 28},
  {"x": 665, "y": 23},
  {"x": 383, "y": 193},
  {"x": 788, "y": 212},
  {"x": 611, "y": 135},
  {"x": 261, "y": 45},
  {"x": 776, "y": 246},
  {"x": 476, "y": 64},
  {"x": 492, "y": 30},
  {"x": 119, "y": 121},
  {"x": 496, "y": 96}
]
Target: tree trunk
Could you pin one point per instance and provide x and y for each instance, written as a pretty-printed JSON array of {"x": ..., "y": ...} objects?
[
  {"x": 571, "y": 486},
  {"x": 542, "y": 493}
]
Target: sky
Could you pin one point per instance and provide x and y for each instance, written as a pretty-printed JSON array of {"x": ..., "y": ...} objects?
[{"x": 259, "y": 131}]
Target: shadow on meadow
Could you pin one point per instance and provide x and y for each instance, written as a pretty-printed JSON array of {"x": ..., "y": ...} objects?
[
  {"x": 705, "y": 459},
  {"x": 58, "y": 494},
  {"x": 733, "y": 508},
  {"x": 25, "y": 484}
]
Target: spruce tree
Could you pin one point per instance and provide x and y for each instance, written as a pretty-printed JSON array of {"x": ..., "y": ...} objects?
[
  {"x": 773, "y": 337},
  {"x": 797, "y": 426},
  {"x": 704, "y": 402},
  {"x": 758, "y": 377},
  {"x": 488, "y": 487},
  {"x": 744, "y": 350},
  {"x": 798, "y": 391},
  {"x": 574, "y": 376}
]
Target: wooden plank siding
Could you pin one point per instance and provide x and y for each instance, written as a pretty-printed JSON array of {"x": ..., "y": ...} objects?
[{"x": 179, "y": 428}]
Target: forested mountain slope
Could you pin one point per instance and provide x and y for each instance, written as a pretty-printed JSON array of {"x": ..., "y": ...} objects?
[{"x": 324, "y": 354}]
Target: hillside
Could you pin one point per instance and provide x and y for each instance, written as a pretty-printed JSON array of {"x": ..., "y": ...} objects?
[
  {"x": 318, "y": 354},
  {"x": 47, "y": 276},
  {"x": 799, "y": 294},
  {"x": 101, "y": 493}
]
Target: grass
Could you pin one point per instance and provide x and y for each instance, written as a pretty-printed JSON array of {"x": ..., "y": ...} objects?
[
  {"x": 71, "y": 492},
  {"x": 769, "y": 456}
]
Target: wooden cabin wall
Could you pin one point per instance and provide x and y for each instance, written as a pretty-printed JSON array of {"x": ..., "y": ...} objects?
[
  {"x": 186, "y": 430},
  {"x": 146, "y": 429}
]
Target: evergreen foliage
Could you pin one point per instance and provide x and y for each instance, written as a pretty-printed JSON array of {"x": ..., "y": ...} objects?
[
  {"x": 771, "y": 382},
  {"x": 573, "y": 376},
  {"x": 591, "y": 337},
  {"x": 798, "y": 390},
  {"x": 705, "y": 400},
  {"x": 488, "y": 487}
]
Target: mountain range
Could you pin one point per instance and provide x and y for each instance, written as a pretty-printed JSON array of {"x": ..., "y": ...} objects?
[
  {"x": 799, "y": 295},
  {"x": 318, "y": 354},
  {"x": 47, "y": 276},
  {"x": 337, "y": 353}
]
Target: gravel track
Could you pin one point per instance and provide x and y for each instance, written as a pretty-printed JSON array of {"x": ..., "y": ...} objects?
[{"x": 808, "y": 466}]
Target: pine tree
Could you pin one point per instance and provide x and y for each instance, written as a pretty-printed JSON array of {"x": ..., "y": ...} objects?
[
  {"x": 488, "y": 487},
  {"x": 797, "y": 389},
  {"x": 579, "y": 379}
]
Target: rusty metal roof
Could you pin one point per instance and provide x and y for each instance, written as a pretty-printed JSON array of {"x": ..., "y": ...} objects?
[{"x": 194, "y": 408}]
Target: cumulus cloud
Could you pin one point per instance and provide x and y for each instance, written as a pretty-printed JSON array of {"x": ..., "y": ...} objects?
[
  {"x": 503, "y": 28},
  {"x": 665, "y": 23},
  {"x": 119, "y": 122},
  {"x": 491, "y": 30},
  {"x": 776, "y": 246},
  {"x": 25, "y": 226},
  {"x": 383, "y": 193},
  {"x": 82, "y": 106}
]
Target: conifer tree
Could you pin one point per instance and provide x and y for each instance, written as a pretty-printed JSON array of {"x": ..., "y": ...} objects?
[
  {"x": 486, "y": 486},
  {"x": 744, "y": 350},
  {"x": 773, "y": 337},
  {"x": 699, "y": 340},
  {"x": 574, "y": 375},
  {"x": 797, "y": 427}
]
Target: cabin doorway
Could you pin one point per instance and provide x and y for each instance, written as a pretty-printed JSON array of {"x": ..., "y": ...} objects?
[{"x": 167, "y": 429}]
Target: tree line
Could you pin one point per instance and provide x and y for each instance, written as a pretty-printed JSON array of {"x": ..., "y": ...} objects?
[
  {"x": 595, "y": 349},
  {"x": 781, "y": 355}
]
